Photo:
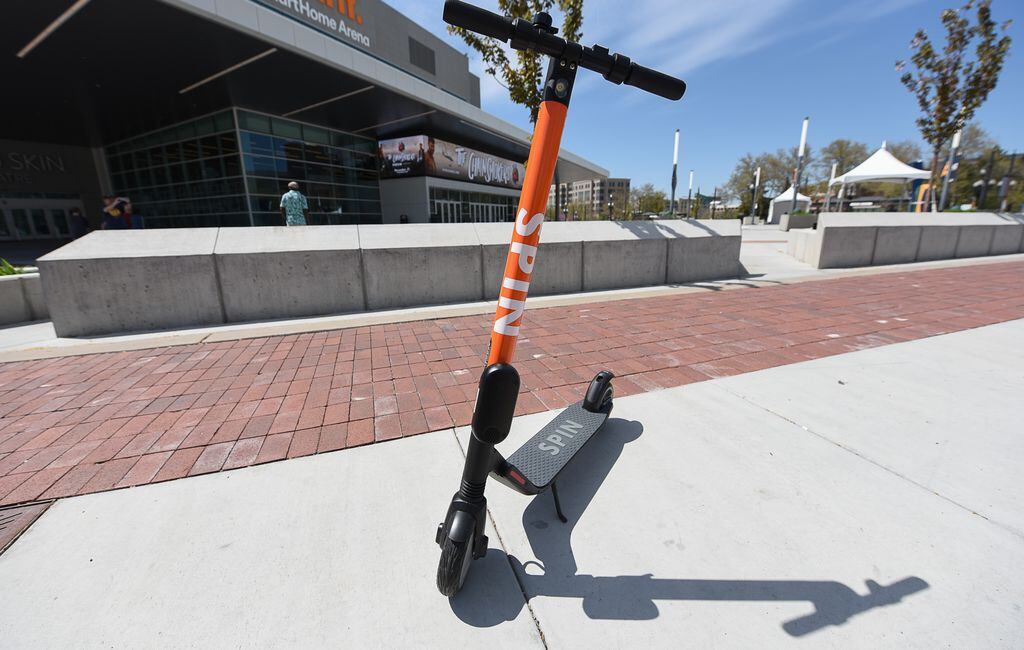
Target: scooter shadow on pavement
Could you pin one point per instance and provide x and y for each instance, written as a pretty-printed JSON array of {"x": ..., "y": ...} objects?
[{"x": 482, "y": 604}]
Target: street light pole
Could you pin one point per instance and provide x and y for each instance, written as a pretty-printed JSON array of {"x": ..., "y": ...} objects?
[
  {"x": 799, "y": 164},
  {"x": 675, "y": 163},
  {"x": 828, "y": 190},
  {"x": 689, "y": 196},
  {"x": 753, "y": 196}
]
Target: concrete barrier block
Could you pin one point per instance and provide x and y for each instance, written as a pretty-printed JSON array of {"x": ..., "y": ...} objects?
[
  {"x": 560, "y": 258},
  {"x": 937, "y": 243},
  {"x": 846, "y": 246},
  {"x": 812, "y": 248},
  {"x": 896, "y": 244},
  {"x": 797, "y": 243},
  {"x": 1007, "y": 239},
  {"x": 132, "y": 280},
  {"x": 622, "y": 254},
  {"x": 975, "y": 241},
  {"x": 406, "y": 265},
  {"x": 702, "y": 249},
  {"x": 14, "y": 308},
  {"x": 282, "y": 272},
  {"x": 796, "y": 221},
  {"x": 32, "y": 285},
  {"x": 792, "y": 244}
]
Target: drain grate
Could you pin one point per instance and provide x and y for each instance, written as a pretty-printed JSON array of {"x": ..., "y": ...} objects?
[{"x": 14, "y": 521}]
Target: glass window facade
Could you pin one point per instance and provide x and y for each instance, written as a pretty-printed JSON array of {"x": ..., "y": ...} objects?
[
  {"x": 230, "y": 169},
  {"x": 457, "y": 206},
  {"x": 337, "y": 171},
  {"x": 185, "y": 175}
]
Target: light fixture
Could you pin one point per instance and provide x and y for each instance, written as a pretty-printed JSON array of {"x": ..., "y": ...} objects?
[
  {"x": 328, "y": 101},
  {"x": 227, "y": 70},
  {"x": 52, "y": 27},
  {"x": 401, "y": 119}
]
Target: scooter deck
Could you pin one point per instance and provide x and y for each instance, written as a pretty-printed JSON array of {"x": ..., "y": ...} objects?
[{"x": 548, "y": 452}]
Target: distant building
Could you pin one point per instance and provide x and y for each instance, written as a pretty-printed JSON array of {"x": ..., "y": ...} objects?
[{"x": 595, "y": 196}]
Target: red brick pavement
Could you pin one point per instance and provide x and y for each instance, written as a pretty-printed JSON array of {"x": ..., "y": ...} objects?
[{"x": 83, "y": 424}]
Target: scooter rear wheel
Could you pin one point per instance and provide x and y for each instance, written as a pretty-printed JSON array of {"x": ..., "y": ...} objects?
[{"x": 454, "y": 565}]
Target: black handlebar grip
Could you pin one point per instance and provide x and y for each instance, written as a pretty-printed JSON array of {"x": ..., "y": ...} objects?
[
  {"x": 475, "y": 19},
  {"x": 655, "y": 82}
]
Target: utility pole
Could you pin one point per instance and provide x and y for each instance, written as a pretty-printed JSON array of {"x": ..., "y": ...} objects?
[
  {"x": 675, "y": 162},
  {"x": 1004, "y": 187},
  {"x": 689, "y": 196},
  {"x": 988, "y": 176},
  {"x": 951, "y": 166},
  {"x": 799, "y": 164},
  {"x": 828, "y": 190},
  {"x": 753, "y": 196}
]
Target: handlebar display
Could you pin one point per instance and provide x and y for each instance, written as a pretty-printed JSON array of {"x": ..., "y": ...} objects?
[{"x": 524, "y": 35}]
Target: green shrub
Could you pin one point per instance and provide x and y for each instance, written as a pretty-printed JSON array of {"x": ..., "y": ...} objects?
[{"x": 6, "y": 268}]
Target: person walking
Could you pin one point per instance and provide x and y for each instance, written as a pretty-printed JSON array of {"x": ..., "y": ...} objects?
[{"x": 294, "y": 206}]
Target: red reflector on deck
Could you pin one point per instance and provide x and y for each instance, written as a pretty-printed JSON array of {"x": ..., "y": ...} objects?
[{"x": 517, "y": 477}]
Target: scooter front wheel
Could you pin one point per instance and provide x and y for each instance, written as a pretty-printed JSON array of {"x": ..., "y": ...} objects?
[{"x": 454, "y": 565}]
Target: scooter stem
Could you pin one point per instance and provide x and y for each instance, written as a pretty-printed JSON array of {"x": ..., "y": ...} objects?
[{"x": 540, "y": 169}]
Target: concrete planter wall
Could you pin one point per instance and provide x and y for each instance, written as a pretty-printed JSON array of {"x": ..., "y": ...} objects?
[
  {"x": 121, "y": 281},
  {"x": 793, "y": 221},
  {"x": 311, "y": 272},
  {"x": 21, "y": 299},
  {"x": 128, "y": 280},
  {"x": 850, "y": 239}
]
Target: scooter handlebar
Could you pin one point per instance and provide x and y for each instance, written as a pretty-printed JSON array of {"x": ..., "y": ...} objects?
[
  {"x": 655, "y": 82},
  {"x": 475, "y": 19},
  {"x": 524, "y": 35}
]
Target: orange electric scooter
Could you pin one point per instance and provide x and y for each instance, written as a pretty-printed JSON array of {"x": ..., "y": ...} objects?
[{"x": 536, "y": 465}]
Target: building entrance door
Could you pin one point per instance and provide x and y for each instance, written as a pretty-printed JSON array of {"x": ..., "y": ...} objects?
[
  {"x": 486, "y": 212},
  {"x": 449, "y": 211},
  {"x": 36, "y": 218}
]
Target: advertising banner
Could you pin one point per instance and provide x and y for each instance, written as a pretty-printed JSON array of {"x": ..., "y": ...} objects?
[{"x": 420, "y": 155}]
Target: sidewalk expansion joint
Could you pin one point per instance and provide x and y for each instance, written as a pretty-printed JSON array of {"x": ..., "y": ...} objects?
[
  {"x": 886, "y": 468},
  {"x": 504, "y": 549}
]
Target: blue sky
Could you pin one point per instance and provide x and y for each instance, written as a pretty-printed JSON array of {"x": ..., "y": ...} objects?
[{"x": 754, "y": 69}]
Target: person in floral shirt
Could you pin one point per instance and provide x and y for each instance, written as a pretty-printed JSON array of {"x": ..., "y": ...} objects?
[{"x": 294, "y": 206}]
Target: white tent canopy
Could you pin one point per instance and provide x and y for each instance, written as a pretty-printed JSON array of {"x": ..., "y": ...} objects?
[
  {"x": 881, "y": 166},
  {"x": 783, "y": 203},
  {"x": 788, "y": 196}
]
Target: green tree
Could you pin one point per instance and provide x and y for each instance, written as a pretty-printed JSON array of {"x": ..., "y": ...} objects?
[
  {"x": 647, "y": 199},
  {"x": 975, "y": 142},
  {"x": 847, "y": 154},
  {"x": 906, "y": 150},
  {"x": 522, "y": 74},
  {"x": 780, "y": 168},
  {"x": 777, "y": 170},
  {"x": 948, "y": 83},
  {"x": 742, "y": 178}
]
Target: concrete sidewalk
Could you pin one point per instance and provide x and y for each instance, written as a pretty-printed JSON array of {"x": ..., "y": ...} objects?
[{"x": 861, "y": 500}]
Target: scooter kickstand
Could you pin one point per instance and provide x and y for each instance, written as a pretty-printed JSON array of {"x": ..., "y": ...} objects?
[{"x": 558, "y": 503}]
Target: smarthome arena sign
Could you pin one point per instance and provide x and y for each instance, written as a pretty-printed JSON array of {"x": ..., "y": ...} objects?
[{"x": 342, "y": 19}]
